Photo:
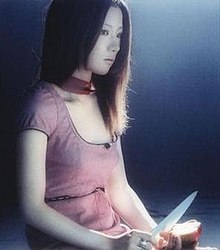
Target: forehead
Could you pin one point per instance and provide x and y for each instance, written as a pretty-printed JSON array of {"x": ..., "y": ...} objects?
[{"x": 114, "y": 17}]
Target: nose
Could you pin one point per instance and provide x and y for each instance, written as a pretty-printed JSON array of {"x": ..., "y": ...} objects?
[{"x": 114, "y": 45}]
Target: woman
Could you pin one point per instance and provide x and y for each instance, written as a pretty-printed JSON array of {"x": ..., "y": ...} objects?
[{"x": 74, "y": 192}]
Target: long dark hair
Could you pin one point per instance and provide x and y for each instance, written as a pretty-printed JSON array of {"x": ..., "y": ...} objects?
[{"x": 71, "y": 31}]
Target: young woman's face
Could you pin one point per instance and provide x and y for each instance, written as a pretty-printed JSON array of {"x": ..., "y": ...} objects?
[{"x": 107, "y": 46}]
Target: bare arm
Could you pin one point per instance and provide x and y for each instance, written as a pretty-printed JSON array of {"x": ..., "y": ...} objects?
[
  {"x": 131, "y": 209},
  {"x": 31, "y": 163},
  {"x": 126, "y": 201},
  {"x": 31, "y": 158}
]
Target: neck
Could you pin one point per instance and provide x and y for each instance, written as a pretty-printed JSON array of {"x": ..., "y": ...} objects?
[
  {"x": 83, "y": 75},
  {"x": 78, "y": 86}
]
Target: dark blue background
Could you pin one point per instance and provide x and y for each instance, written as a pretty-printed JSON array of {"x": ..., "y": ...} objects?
[{"x": 174, "y": 137}]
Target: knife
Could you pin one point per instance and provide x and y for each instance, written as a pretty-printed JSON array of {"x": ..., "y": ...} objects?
[{"x": 167, "y": 223}]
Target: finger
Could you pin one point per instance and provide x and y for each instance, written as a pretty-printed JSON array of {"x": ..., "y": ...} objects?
[
  {"x": 175, "y": 242},
  {"x": 161, "y": 243},
  {"x": 178, "y": 242},
  {"x": 165, "y": 235},
  {"x": 171, "y": 240},
  {"x": 164, "y": 242},
  {"x": 140, "y": 240}
]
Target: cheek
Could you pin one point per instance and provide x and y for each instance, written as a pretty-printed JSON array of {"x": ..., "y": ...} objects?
[
  {"x": 97, "y": 65},
  {"x": 94, "y": 55},
  {"x": 93, "y": 60},
  {"x": 99, "y": 47}
]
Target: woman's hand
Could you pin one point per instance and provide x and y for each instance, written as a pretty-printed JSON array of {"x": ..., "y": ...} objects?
[
  {"x": 139, "y": 240},
  {"x": 182, "y": 236},
  {"x": 136, "y": 240},
  {"x": 169, "y": 240},
  {"x": 189, "y": 232}
]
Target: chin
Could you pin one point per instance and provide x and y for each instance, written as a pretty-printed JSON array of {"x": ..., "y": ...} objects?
[{"x": 101, "y": 72}]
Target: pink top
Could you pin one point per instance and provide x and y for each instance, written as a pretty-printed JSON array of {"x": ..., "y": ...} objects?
[{"x": 74, "y": 166}]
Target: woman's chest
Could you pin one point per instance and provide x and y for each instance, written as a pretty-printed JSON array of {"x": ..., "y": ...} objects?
[
  {"x": 70, "y": 155},
  {"x": 88, "y": 121},
  {"x": 81, "y": 135}
]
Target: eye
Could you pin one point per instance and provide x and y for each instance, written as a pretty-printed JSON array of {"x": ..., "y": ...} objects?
[
  {"x": 104, "y": 32},
  {"x": 119, "y": 35}
]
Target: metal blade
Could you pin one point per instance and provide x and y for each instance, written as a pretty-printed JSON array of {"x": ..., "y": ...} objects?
[{"x": 171, "y": 219}]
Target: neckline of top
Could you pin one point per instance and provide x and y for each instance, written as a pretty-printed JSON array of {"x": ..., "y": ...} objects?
[{"x": 107, "y": 145}]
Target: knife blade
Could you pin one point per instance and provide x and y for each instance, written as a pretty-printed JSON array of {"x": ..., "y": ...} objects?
[{"x": 170, "y": 220}]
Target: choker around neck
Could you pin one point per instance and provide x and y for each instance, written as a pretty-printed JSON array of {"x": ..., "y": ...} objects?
[{"x": 78, "y": 86}]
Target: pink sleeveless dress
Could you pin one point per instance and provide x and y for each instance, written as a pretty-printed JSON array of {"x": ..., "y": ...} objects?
[{"x": 75, "y": 169}]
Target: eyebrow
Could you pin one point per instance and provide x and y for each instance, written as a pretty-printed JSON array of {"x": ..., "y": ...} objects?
[{"x": 109, "y": 25}]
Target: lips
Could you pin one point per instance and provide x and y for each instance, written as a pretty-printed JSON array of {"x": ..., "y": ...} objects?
[{"x": 109, "y": 60}]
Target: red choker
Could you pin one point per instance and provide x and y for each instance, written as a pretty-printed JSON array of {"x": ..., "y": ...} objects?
[{"x": 78, "y": 86}]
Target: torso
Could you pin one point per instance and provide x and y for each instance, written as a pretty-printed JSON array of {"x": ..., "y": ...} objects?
[
  {"x": 85, "y": 112},
  {"x": 75, "y": 166}
]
